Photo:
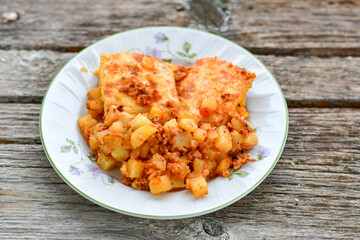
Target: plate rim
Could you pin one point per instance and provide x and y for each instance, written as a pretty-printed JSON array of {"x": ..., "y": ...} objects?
[{"x": 194, "y": 214}]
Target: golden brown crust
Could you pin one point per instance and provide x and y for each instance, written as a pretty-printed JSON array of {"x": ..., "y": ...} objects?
[
  {"x": 136, "y": 82},
  {"x": 217, "y": 79}
]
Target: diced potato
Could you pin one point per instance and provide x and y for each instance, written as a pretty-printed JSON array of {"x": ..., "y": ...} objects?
[
  {"x": 95, "y": 108},
  {"x": 205, "y": 126},
  {"x": 200, "y": 135},
  {"x": 212, "y": 165},
  {"x": 223, "y": 141},
  {"x": 223, "y": 169},
  {"x": 237, "y": 124},
  {"x": 170, "y": 124},
  {"x": 188, "y": 125},
  {"x": 140, "y": 135},
  {"x": 118, "y": 127},
  {"x": 212, "y": 134},
  {"x": 250, "y": 141},
  {"x": 123, "y": 169},
  {"x": 182, "y": 140},
  {"x": 160, "y": 184},
  {"x": 120, "y": 154},
  {"x": 109, "y": 141},
  {"x": 178, "y": 169},
  {"x": 86, "y": 122},
  {"x": 94, "y": 143},
  {"x": 156, "y": 110},
  {"x": 209, "y": 102},
  {"x": 177, "y": 183},
  {"x": 158, "y": 161},
  {"x": 135, "y": 168},
  {"x": 112, "y": 115},
  {"x": 139, "y": 121},
  {"x": 211, "y": 154},
  {"x": 236, "y": 139},
  {"x": 135, "y": 153},
  {"x": 198, "y": 165},
  {"x": 184, "y": 115},
  {"x": 94, "y": 94},
  {"x": 125, "y": 117},
  {"x": 198, "y": 186},
  {"x": 144, "y": 150},
  {"x": 106, "y": 163}
]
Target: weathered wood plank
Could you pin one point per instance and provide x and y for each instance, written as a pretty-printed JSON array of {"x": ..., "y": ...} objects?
[
  {"x": 323, "y": 28},
  {"x": 313, "y": 193},
  {"x": 306, "y": 81}
]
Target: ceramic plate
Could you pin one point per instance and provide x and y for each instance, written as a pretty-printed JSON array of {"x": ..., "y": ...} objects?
[{"x": 69, "y": 154}]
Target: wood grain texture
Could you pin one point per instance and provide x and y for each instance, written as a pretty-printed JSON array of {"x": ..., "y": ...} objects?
[
  {"x": 281, "y": 27},
  {"x": 313, "y": 192},
  {"x": 306, "y": 81}
]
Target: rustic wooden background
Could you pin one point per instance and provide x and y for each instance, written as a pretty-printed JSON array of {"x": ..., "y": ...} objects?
[{"x": 313, "y": 49}]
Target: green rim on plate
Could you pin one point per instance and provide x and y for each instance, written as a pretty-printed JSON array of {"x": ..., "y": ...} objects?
[{"x": 170, "y": 216}]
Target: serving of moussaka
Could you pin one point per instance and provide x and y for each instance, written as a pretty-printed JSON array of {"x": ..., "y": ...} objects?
[{"x": 168, "y": 127}]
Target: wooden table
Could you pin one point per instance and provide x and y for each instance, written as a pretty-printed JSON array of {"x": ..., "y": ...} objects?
[{"x": 313, "y": 49}]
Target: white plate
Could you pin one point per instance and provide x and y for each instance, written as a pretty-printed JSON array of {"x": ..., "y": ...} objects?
[{"x": 65, "y": 101}]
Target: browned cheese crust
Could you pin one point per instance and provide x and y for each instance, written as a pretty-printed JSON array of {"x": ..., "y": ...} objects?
[{"x": 213, "y": 89}]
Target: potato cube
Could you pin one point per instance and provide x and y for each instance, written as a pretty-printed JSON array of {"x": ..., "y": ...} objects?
[
  {"x": 250, "y": 141},
  {"x": 95, "y": 108},
  {"x": 236, "y": 139},
  {"x": 135, "y": 168},
  {"x": 106, "y": 163},
  {"x": 238, "y": 124},
  {"x": 139, "y": 121},
  {"x": 198, "y": 186},
  {"x": 123, "y": 169},
  {"x": 223, "y": 169},
  {"x": 86, "y": 121},
  {"x": 120, "y": 154},
  {"x": 135, "y": 153},
  {"x": 111, "y": 115},
  {"x": 205, "y": 126},
  {"x": 212, "y": 165},
  {"x": 118, "y": 127},
  {"x": 170, "y": 124},
  {"x": 223, "y": 141},
  {"x": 140, "y": 135},
  {"x": 158, "y": 161},
  {"x": 94, "y": 143},
  {"x": 188, "y": 125},
  {"x": 160, "y": 184},
  {"x": 183, "y": 140},
  {"x": 200, "y": 135},
  {"x": 198, "y": 165},
  {"x": 144, "y": 150},
  {"x": 184, "y": 115},
  {"x": 177, "y": 183},
  {"x": 156, "y": 110},
  {"x": 94, "y": 94},
  {"x": 125, "y": 117},
  {"x": 109, "y": 141}
]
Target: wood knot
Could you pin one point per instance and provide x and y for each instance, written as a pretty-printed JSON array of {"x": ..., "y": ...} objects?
[{"x": 213, "y": 228}]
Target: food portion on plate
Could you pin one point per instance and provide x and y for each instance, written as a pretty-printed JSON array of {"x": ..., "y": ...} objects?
[{"x": 167, "y": 127}]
